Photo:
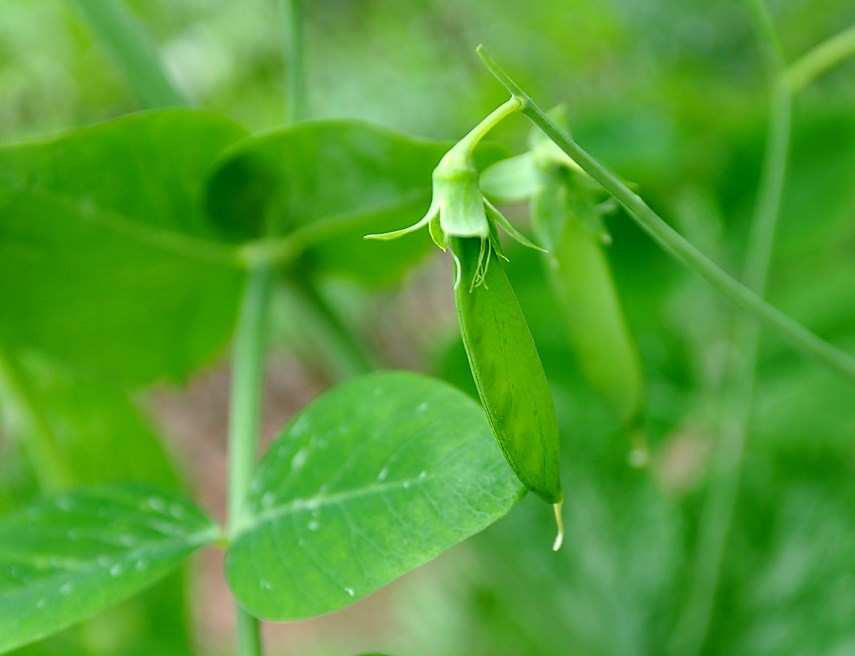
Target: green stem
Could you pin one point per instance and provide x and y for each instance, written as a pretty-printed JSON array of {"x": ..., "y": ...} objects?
[
  {"x": 295, "y": 80},
  {"x": 717, "y": 516},
  {"x": 245, "y": 420},
  {"x": 476, "y": 134},
  {"x": 132, "y": 50},
  {"x": 670, "y": 240},
  {"x": 329, "y": 339},
  {"x": 818, "y": 60},
  {"x": 41, "y": 445}
]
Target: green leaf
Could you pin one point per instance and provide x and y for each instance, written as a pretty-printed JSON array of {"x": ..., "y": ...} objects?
[
  {"x": 322, "y": 186},
  {"x": 508, "y": 372},
  {"x": 373, "y": 479},
  {"x": 106, "y": 261},
  {"x": 67, "y": 557}
]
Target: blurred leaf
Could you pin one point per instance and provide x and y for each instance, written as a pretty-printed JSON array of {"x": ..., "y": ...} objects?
[
  {"x": 375, "y": 478},
  {"x": 323, "y": 186},
  {"x": 66, "y": 557},
  {"x": 105, "y": 259},
  {"x": 101, "y": 436}
]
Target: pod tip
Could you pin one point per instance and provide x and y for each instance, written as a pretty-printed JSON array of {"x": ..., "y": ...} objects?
[
  {"x": 639, "y": 454},
  {"x": 559, "y": 521}
]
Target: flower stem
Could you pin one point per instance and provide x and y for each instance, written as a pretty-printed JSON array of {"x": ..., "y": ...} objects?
[
  {"x": 245, "y": 420},
  {"x": 44, "y": 453},
  {"x": 674, "y": 244},
  {"x": 294, "y": 66},
  {"x": 132, "y": 50},
  {"x": 818, "y": 60},
  {"x": 474, "y": 136},
  {"x": 693, "y": 626}
]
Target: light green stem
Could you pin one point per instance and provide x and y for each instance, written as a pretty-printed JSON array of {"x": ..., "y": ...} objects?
[
  {"x": 821, "y": 58},
  {"x": 670, "y": 240},
  {"x": 328, "y": 338},
  {"x": 476, "y": 134},
  {"x": 292, "y": 11},
  {"x": 726, "y": 471},
  {"x": 132, "y": 50},
  {"x": 47, "y": 460},
  {"x": 245, "y": 420}
]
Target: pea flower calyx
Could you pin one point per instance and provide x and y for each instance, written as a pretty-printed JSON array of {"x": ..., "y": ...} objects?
[{"x": 459, "y": 209}]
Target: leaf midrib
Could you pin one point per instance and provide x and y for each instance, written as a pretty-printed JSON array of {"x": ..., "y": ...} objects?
[{"x": 319, "y": 501}]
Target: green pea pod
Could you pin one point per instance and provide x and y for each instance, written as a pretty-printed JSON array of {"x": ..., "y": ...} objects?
[
  {"x": 508, "y": 373},
  {"x": 567, "y": 220}
]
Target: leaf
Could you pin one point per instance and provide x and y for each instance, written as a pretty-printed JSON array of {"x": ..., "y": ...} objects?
[
  {"x": 508, "y": 373},
  {"x": 100, "y": 437},
  {"x": 373, "y": 479},
  {"x": 67, "y": 557},
  {"x": 322, "y": 186},
  {"x": 106, "y": 261}
]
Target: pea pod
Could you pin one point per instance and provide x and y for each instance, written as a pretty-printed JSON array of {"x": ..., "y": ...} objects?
[
  {"x": 582, "y": 283},
  {"x": 507, "y": 372}
]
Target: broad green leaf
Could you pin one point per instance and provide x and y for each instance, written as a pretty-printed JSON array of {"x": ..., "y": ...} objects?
[
  {"x": 373, "y": 479},
  {"x": 106, "y": 261},
  {"x": 100, "y": 436},
  {"x": 507, "y": 372},
  {"x": 322, "y": 186},
  {"x": 67, "y": 557}
]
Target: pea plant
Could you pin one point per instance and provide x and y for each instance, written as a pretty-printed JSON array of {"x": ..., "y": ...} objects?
[{"x": 133, "y": 251}]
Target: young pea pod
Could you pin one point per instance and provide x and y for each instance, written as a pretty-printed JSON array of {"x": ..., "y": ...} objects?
[
  {"x": 566, "y": 217},
  {"x": 507, "y": 372}
]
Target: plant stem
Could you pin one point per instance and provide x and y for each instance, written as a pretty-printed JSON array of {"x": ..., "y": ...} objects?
[
  {"x": 295, "y": 72},
  {"x": 329, "y": 339},
  {"x": 245, "y": 420},
  {"x": 476, "y": 134},
  {"x": 48, "y": 462},
  {"x": 819, "y": 59},
  {"x": 726, "y": 469},
  {"x": 132, "y": 50},
  {"x": 670, "y": 240}
]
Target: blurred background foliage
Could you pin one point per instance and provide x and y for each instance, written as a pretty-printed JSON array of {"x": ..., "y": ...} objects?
[{"x": 672, "y": 96}]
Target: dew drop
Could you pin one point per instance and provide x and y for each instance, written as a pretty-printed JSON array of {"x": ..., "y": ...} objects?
[
  {"x": 383, "y": 474},
  {"x": 115, "y": 570},
  {"x": 313, "y": 525},
  {"x": 267, "y": 500},
  {"x": 176, "y": 511},
  {"x": 66, "y": 588},
  {"x": 266, "y": 585},
  {"x": 299, "y": 459},
  {"x": 141, "y": 565},
  {"x": 407, "y": 485},
  {"x": 156, "y": 504},
  {"x": 422, "y": 475},
  {"x": 422, "y": 407},
  {"x": 349, "y": 591}
]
